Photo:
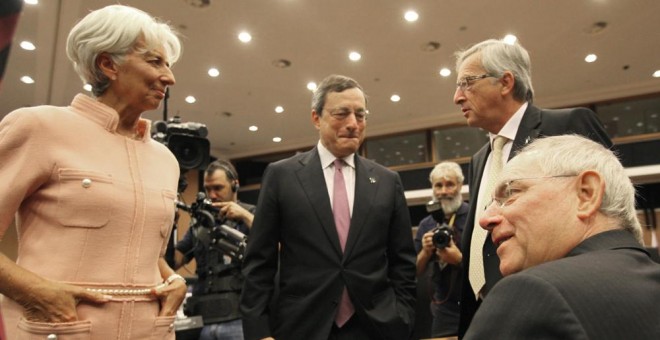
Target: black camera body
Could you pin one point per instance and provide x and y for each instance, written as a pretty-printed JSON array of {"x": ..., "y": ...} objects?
[
  {"x": 441, "y": 236},
  {"x": 187, "y": 141},
  {"x": 442, "y": 233}
]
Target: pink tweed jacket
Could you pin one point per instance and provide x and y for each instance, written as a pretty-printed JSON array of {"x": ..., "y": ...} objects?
[{"x": 93, "y": 208}]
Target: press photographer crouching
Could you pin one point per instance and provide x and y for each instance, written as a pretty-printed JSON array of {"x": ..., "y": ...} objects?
[
  {"x": 213, "y": 240},
  {"x": 437, "y": 244}
]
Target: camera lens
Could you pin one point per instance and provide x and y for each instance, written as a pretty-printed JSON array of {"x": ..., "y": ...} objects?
[{"x": 441, "y": 237}]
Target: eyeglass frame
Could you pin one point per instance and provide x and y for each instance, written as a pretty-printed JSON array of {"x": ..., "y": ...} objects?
[
  {"x": 360, "y": 114},
  {"x": 467, "y": 82},
  {"x": 501, "y": 202}
]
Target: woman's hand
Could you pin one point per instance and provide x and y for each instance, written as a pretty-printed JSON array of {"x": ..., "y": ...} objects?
[
  {"x": 171, "y": 297},
  {"x": 56, "y": 302}
]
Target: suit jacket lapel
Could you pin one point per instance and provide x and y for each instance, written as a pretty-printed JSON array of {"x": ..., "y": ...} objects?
[
  {"x": 528, "y": 131},
  {"x": 366, "y": 187},
  {"x": 313, "y": 184}
]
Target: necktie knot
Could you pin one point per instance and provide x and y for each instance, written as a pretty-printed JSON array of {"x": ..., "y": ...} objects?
[
  {"x": 498, "y": 142},
  {"x": 339, "y": 164}
]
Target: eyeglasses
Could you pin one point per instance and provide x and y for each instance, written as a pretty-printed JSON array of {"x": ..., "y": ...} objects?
[
  {"x": 468, "y": 81},
  {"x": 343, "y": 113},
  {"x": 507, "y": 192}
]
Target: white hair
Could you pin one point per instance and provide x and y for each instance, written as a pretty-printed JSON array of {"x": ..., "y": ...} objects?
[
  {"x": 115, "y": 30},
  {"x": 446, "y": 170},
  {"x": 573, "y": 154}
]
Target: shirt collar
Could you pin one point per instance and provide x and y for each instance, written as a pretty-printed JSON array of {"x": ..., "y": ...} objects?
[
  {"x": 327, "y": 158},
  {"x": 510, "y": 129}
]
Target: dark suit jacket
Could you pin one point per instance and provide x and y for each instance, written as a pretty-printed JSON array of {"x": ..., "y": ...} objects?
[
  {"x": 377, "y": 268},
  {"x": 606, "y": 288},
  {"x": 534, "y": 124}
]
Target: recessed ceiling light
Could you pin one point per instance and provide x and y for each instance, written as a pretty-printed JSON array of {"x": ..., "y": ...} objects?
[
  {"x": 411, "y": 16},
  {"x": 656, "y": 74},
  {"x": 279, "y": 109},
  {"x": 214, "y": 72},
  {"x": 311, "y": 86},
  {"x": 590, "y": 58},
  {"x": 277, "y": 139},
  {"x": 26, "y": 45},
  {"x": 445, "y": 72},
  {"x": 244, "y": 37},
  {"x": 32, "y": 2},
  {"x": 27, "y": 79},
  {"x": 281, "y": 63},
  {"x": 354, "y": 56},
  {"x": 190, "y": 99},
  {"x": 430, "y": 46},
  {"x": 253, "y": 128},
  {"x": 510, "y": 39},
  {"x": 87, "y": 87},
  {"x": 395, "y": 98}
]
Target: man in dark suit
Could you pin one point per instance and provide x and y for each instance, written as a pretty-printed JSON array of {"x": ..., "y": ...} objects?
[
  {"x": 570, "y": 247},
  {"x": 495, "y": 93},
  {"x": 331, "y": 285}
]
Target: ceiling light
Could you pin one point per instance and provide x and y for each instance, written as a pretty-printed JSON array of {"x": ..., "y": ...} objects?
[
  {"x": 32, "y": 2},
  {"x": 590, "y": 58},
  {"x": 277, "y": 139},
  {"x": 281, "y": 63},
  {"x": 411, "y": 16},
  {"x": 311, "y": 86},
  {"x": 355, "y": 56},
  {"x": 27, "y": 80},
  {"x": 190, "y": 99},
  {"x": 87, "y": 87},
  {"x": 510, "y": 39},
  {"x": 214, "y": 72},
  {"x": 26, "y": 45},
  {"x": 445, "y": 72},
  {"x": 253, "y": 128},
  {"x": 244, "y": 37},
  {"x": 279, "y": 109},
  {"x": 395, "y": 98},
  {"x": 656, "y": 74}
]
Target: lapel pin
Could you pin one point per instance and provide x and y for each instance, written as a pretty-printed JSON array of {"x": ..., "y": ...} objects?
[
  {"x": 372, "y": 180},
  {"x": 527, "y": 140}
]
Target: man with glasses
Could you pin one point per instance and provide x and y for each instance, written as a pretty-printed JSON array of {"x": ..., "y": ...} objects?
[
  {"x": 339, "y": 225},
  {"x": 214, "y": 267},
  {"x": 494, "y": 91},
  {"x": 570, "y": 247}
]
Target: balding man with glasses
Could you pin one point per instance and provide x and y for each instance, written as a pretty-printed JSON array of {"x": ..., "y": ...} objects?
[
  {"x": 494, "y": 91},
  {"x": 570, "y": 247}
]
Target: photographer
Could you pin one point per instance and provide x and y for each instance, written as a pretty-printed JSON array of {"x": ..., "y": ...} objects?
[
  {"x": 221, "y": 185},
  {"x": 437, "y": 243}
]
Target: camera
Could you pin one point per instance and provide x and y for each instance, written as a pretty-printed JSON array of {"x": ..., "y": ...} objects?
[
  {"x": 187, "y": 141},
  {"x": 442, "y": 233},
  {"x": 212, "y": 232}
]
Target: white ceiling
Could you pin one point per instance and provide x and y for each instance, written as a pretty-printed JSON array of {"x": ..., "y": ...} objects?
[{"x": 317, "y": 35}]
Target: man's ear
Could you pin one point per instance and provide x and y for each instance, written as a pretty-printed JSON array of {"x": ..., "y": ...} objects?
[
  {"x": 508, "y": 81},
  {"x": 316, "y": 120},
  {"x": 105, "y": 63},
  {"x": 590, "y": 188}
]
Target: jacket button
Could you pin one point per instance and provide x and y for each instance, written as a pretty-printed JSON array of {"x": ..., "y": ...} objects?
[
  {"x": 86, "y": 183},
  {"x": 52, "y": 337}
]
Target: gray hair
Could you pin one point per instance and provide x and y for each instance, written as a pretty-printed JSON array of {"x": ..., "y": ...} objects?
[
  {"x": 447, "y": 170},
  {"x": 573, "y": 154},
  {"x": 114, "y": 30},
  {"x": 332, "y": 83},
  {"x": 498, "y": 57}
]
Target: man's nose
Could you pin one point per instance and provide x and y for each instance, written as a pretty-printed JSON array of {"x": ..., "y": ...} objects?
[
  {"x": 459, "y": 96},
  {"x": 491, "y": 218}
]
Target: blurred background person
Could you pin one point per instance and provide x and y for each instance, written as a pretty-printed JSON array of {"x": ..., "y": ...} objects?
[
  {"x": 214, "y": 267},
  {"x": 495, "y": 93},
  {"x": 570, "y": 246},
  {"x": 93, "y": 194},
  {"x": 437, "y": 244}
]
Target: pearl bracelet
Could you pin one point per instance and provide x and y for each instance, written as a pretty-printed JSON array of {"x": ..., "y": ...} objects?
[{"x": 174, "y": 277}]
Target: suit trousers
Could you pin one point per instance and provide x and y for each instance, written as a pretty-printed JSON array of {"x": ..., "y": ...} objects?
[{"x": 350, "y": 331}]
